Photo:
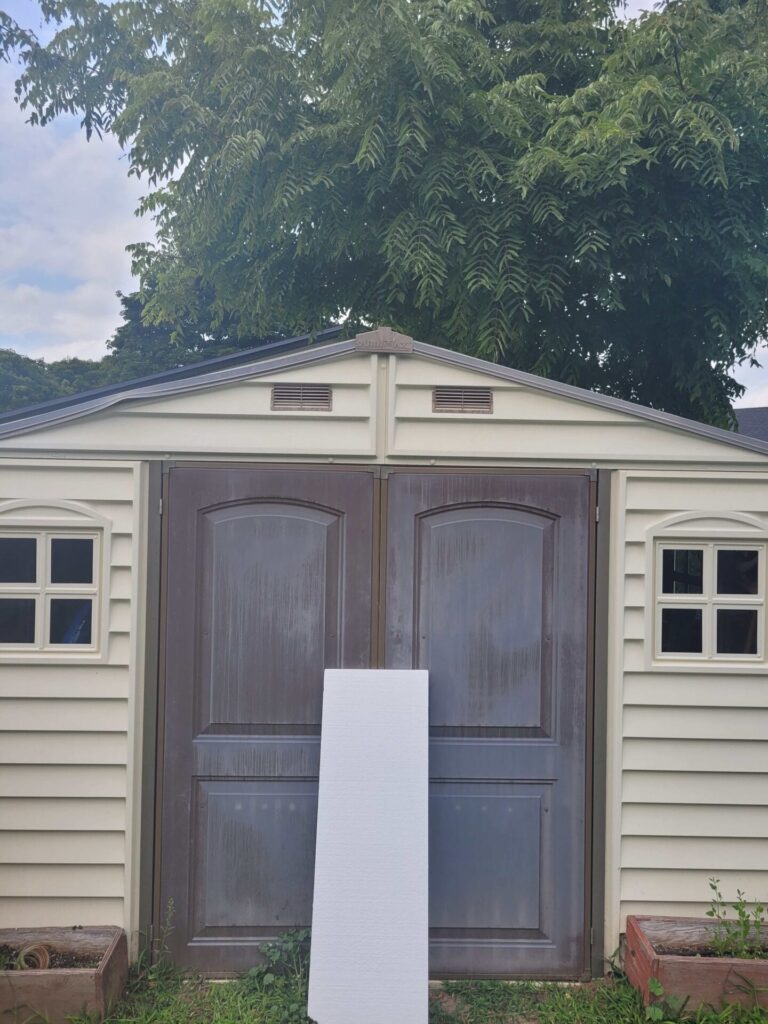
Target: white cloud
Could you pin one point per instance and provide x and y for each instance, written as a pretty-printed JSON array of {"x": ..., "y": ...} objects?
[{"x": 66, "y": 215}]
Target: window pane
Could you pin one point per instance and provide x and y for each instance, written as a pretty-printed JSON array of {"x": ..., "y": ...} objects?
[
  {"x": 17, "y": 620},
  {"x": 71, "y": 560},
  {"x": 682, "y": 571},
  {"x": 737, "y": 571},
  {"x": 736, "y": 631},
  {"x": 681, "y": 631},
  {"x": 18, "y": 560},
  {"x": 71, "y": 620}
]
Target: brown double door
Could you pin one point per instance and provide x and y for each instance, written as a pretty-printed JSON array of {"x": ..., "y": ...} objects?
[{"x": 274, "y": 575}]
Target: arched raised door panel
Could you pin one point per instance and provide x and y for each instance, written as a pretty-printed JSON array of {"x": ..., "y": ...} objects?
[
  {"x": 488, "y": 567},
  {"x": 269, "y": 615}
]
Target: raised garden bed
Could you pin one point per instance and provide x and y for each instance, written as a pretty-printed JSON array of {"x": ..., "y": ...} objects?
[
  {"x": 678, "y": 952},
  {"x": 86, "y": 972}
]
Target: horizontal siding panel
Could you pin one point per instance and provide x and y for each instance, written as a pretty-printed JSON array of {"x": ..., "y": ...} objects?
[
  {"x": 39, "y": 912},
  {"x": 62, "y": 848},
  {"x": 696, "y": 723},
  {"x": 107, "y": 682},
  {"x": 547, "y": 439},
  {"x": 695, "y": 755},
  {"x": 678, "y": 493},
  {"x": 252, "y": 402},
  {"x": 683, "y": 852},
  {"x": 692, "y": 689},
  {"x": 711, "y": 820},
  {"x": 688, "y": 885},
  {"x": 64, "y": 715},
  {"x": 82, "y": 484},
  {"x": 695, "y": 788},
  {"x": 63, "y": 780},
  {"x": 68, "y": 880},
  {"x": 63, "y": 748},
  {"x": 672, "y": 909},
  {"x": 342, "y": 435},
  {"x": 59, "y": 814}
]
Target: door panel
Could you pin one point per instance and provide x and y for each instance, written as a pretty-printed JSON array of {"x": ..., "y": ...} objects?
[
  {"x": 268, "y": 584},
  {"x": 487, "y": 587}
]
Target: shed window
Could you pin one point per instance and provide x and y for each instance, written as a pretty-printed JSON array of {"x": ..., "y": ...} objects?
[
  {"x": 710, "y": 601},
  {"x": 48, "y": 592}
]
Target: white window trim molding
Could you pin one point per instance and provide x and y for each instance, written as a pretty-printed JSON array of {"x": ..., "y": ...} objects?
[
  {"x": 709, "y": 530},
  {"x": 44, "y": 518}
]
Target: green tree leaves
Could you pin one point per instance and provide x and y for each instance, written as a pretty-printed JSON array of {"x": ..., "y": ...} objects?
[{"x": 528, "y": 180}]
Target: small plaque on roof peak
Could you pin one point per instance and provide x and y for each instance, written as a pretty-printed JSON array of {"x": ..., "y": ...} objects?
[{"x": 383, "y": 339}]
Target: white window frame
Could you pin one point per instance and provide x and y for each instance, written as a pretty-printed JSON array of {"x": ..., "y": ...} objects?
[
  {"x": 42, "y": 591},
  {"x": 709, "y": 601}
]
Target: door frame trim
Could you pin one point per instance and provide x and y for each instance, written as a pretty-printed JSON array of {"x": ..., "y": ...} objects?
[{"x": 151, "y": 915}]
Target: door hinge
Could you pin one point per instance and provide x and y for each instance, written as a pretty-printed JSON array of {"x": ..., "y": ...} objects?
[
  {"x": 160, "y": 507},
  {"x": 591, "y": 936},
  {"x": 597, "y": 513}
]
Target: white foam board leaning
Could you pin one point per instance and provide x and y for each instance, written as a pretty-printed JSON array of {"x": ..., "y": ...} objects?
[{"x": 369, "y": 921}]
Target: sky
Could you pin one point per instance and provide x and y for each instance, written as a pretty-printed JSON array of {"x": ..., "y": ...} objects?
[{"x": 67, "y": 211}]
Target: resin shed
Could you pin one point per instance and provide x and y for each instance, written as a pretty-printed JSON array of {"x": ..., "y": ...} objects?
[{"x": 583, "y": 578}]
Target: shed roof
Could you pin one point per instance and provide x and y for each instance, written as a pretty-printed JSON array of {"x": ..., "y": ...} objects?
[{"x": 295, "y": 352}]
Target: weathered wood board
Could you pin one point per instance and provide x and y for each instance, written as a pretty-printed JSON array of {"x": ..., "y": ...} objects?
[
  {"x": 702, "y": 980},
  {"x": 370, "y": 910}
]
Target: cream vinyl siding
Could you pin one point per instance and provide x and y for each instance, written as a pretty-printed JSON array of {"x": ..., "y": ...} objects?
[
  {"x": 688, "y": 743},
  {"x": 67, "y": 796},
  {"x": 381, "y": 411}
]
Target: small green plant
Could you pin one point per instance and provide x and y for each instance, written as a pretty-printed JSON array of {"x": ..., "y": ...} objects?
[
  {"x": 286, "y": 957},
  {"x": 743, "y": 937},
  {"x": 666, "y": 1008}
]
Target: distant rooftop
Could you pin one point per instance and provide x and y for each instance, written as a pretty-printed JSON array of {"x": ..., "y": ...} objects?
[{"x": 753, "y": 422}]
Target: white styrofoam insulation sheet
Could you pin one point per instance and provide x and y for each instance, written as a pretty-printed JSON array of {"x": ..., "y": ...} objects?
[{"x": 370, "y": 914}]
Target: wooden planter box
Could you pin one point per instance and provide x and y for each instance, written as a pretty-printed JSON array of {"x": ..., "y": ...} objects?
[
  {"x": 55, "y": 994},
  {"x": 708, "y": 981}
]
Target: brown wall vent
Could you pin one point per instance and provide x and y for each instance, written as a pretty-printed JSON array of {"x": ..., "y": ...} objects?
[
  {"x": 454, "y": 399},
  {"x": 315, "y": 397}
]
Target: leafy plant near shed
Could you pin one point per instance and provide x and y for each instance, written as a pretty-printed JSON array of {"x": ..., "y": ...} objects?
[{"x": 743, "y": 937}]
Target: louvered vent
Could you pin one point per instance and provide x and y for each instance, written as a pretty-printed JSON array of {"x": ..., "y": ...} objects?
[
  {"x": 450, "y": 399},
  {"x": 302, "y": 396}
]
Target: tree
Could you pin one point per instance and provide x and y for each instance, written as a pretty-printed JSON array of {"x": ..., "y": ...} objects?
[
  {"x": 24, "y": 381},
  {"x": 528, "y": 180}
]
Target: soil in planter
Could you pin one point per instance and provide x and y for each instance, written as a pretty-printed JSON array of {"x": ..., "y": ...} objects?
[
  {"x": 57, "y": 960},
  {"x": 700, "y": 951}
]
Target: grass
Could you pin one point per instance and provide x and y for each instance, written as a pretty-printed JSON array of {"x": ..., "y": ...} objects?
[{"x": 161, "y": 996}]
